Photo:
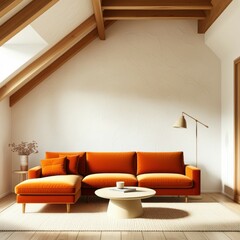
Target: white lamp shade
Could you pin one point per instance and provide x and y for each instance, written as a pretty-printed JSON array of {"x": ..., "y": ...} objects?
[{"x": 180, "y": 123}]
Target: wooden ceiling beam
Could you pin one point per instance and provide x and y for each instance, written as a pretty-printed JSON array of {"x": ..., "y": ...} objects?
[
  {"x": 7, "y": 5},
  {"x": 24, "y": 17},
  {"x": 47, "y": 58},
  {"x": 99, "y": 18},
  {"x": 151, "y": 14},
  {"x": 156, "y": 4},
  {"x": 205, "y": 11},
  {"x": 55, "y": 65},
  {"x": 19, "y": 94},
  {"x": 218, "y": 7}
]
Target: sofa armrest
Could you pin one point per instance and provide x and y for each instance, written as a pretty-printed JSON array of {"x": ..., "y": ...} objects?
[
  {"x": 192, "y": 172},
  {"x": 35, "y": 172},
  {"x": 195, "y": 174}
]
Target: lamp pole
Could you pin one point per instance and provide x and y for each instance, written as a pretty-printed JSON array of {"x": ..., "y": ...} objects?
[
  {"x": 196, "y": 143},
  {"x": 181, "y": 123},
  {"x": 196, "y": 121}
]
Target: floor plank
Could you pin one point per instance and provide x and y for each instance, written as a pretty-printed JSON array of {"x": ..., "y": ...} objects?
[
  {"x": 226, "y": 201},
  {"x": 175, "y": 236},
  {"x": 153, "y": 236},
  {"x": 67, "y": 236},
  {"x": 195, "y": 236},
  {"x": 89, "y": 236},
  {"x": 233, "y": 235},
  {"x": 111, "y": 236},
  {"x": 132, "y": 236},
  {"x": 5, "y": 235},
  {"x": 216, "y": 236},
  {"x": 45, "y": 236},
  {"x": 7, "y": 201},
  {"x": 21, "y": 236}
]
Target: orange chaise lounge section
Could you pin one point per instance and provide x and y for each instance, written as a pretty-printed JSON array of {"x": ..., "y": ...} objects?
[{"x": 64, "y": 176}]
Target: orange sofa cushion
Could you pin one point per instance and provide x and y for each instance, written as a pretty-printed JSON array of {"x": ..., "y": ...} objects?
[
  {"x": 81, "y": 160},
  {"x": 53, "y": 185},
  {"x": 160, "y": 162},
  {"x": 164, "y": 180},
  {"x": 48, "y": 198},
  {"x": 71, "y": 163},
  {"x": 111, "y": 162},
  {"x": 100, "y": 180},
  {"x": 53, "y": 166}
]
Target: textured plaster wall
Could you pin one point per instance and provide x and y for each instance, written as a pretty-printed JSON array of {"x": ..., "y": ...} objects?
[
  {"x": 125, "y": 93},
  {"x": 5, "y": 154},
  {"x": 223, "y": 38}
]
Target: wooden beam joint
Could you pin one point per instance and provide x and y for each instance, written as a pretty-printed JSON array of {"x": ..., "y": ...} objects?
[
  {"x": 218, "y": 7},
  {"x": 97, "y": 7}
]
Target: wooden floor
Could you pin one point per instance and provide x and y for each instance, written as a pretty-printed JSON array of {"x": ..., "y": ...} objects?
[{"x": 213, "y": 197}]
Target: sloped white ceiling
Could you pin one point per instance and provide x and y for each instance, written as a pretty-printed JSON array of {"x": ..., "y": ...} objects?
[
  {"x": 61, "y": 19},
  {"x": 18, "y": 51},
  {"x": 226, "y": 25}
]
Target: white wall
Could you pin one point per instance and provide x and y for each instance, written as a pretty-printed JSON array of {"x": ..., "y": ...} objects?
[
  {"x": 223, "y": 38},
  {"x": 5, "y": 154},
  {"x": 125, "y": 93}
]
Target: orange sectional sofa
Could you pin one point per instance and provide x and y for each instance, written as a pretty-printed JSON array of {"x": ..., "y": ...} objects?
[{"x": 64, "y": 176}]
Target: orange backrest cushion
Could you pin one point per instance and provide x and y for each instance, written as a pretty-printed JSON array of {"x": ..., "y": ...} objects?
[
  {"x": 111, "y": 162},
  {"x": 160, "y": 162},
  {"x": 81, "y": 163},
  {"x": 53, "y": 166},
  {"x": 72, "y": 162}
]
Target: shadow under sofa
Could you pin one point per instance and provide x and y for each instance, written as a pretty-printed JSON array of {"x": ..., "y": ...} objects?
[{"x": 64, "y": 176}]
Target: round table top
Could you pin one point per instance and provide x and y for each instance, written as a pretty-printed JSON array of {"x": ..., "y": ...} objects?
[{"x": 113, "y": 193}]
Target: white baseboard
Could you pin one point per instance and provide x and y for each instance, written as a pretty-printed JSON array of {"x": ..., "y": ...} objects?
[
  {"x": 228, "y": 192},
  {"x": 5, "y": 194}
]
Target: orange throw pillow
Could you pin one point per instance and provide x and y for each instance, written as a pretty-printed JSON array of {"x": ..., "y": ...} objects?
[
  {"x": 72, "y": 162},
  {"x": 53, "y": 166}
]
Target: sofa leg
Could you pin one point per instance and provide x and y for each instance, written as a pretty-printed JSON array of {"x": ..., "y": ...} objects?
[
  {"x": 186, "y": 199},
  {"x": 68, "y": 208},
  {"x": 23, "y": 207}
]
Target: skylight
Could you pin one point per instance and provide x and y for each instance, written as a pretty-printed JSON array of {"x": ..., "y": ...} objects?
[{"x": 16, "y": 53}]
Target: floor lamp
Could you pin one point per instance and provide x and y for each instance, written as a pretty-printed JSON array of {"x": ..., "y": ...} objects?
[{"x": 181, "y": 123}]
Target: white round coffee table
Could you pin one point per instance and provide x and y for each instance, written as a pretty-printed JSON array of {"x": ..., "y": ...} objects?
[{"x": 125, "y": 205}]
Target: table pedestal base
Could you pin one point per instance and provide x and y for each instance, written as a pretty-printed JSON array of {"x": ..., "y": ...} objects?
[{"x": 125, "y": 208}]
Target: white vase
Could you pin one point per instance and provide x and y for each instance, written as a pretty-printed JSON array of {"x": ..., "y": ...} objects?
[{"x": 23, "y": 162}]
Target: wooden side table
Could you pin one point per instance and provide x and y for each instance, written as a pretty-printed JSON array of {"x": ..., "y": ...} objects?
[{"x": 22, "y": 174}]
